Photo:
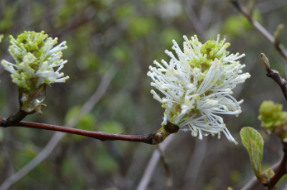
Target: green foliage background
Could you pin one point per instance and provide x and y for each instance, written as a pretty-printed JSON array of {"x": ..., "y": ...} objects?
[{"x": 131, "y": 34}]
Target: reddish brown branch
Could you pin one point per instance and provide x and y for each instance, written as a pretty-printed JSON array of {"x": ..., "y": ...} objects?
[
  {"x": 275, "y": 75},
  {"x": 280, "y": 173},
  {"x": 282, "y": 51},
  {"x": 254, "y": 181},
  {"x": 271, "y": 183},
  {"x": 151, "y": 138}
]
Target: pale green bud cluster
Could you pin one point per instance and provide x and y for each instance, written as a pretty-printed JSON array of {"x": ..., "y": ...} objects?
[
  {"x": 273, "y": 119},
  {"x": 272, "y": 116},
  {"x": 35, "y": 59}
]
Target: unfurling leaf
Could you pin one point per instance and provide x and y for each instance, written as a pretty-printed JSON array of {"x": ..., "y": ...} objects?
[
  {"x": 253, "y": 143},
  {"x": 269, "y": 174}
]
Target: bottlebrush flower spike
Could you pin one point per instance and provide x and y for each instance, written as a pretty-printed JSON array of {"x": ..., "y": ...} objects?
[
  {"x": 197, "y": 85},
  {"x": 35, "y": 59}
]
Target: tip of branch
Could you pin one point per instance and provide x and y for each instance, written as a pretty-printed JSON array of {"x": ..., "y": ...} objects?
[
  {"x": 265, "y": 61},
  {"x": 277, "y": 33}
]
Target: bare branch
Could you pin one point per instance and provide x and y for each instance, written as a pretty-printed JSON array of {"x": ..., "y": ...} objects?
[
  {"x": 275, "y": 75},
  {"x": 282, "y": 51},
  {"x": 282, "y": 170},
  {"x": 191, "y": 176},
  {"x": 198, "y": 26},
  {"x": 152, "y": 164},
  {"x": 166, "y": 167},
  {"x": 254, "y": 181},
  {"x": 268, "y": 6},
  {"x": 151, "y": 138}
]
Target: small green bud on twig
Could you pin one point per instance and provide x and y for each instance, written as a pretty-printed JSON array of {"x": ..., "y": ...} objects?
[
  {"x": 265, "y": 61},
  {"x": 277, "y": 33}
]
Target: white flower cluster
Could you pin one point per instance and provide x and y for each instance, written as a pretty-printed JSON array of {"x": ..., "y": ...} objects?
[
  {"x": 197, "y": 86},
  {"x": 35, "y": 59}
]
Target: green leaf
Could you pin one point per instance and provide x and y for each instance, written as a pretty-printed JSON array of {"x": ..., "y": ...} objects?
[
  {"x": 253, "y": 143},
  {"x": 269, "y": 174}
]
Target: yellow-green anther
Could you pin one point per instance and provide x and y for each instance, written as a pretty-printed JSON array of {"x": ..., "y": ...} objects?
[{"x": 265, "y": 61}]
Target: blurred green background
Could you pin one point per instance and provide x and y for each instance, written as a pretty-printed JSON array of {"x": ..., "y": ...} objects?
[{"x": 129, "y": 35}]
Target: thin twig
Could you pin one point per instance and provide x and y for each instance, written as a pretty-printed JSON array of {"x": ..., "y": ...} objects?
[
  {"x": 275, "y": 75},
  {"x": 282, "y": 51},
  {"x": 253, "y": 182},
  {"x": 94, "y": 134},
  {"x": 282, "y": 170},
  {"x": 198, "y": 26},
  {"x": 166, "y": 167},
  {"x": 146, "y": 138},
  {"x": 152, "y": 164},
  {"x": 193, "y": 168},
  {"x": 268, "y": 6}
]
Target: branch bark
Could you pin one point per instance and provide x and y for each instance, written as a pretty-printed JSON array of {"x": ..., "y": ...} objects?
[
  {"x": 282, "y": 51},
  {"x": 149, "y": 171},
  {"x": 275, "y": 75},
  {"x": 253, "y": 182},
  {"x": 151, "y": 138},
  {"x": 282, "y": 170}
]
